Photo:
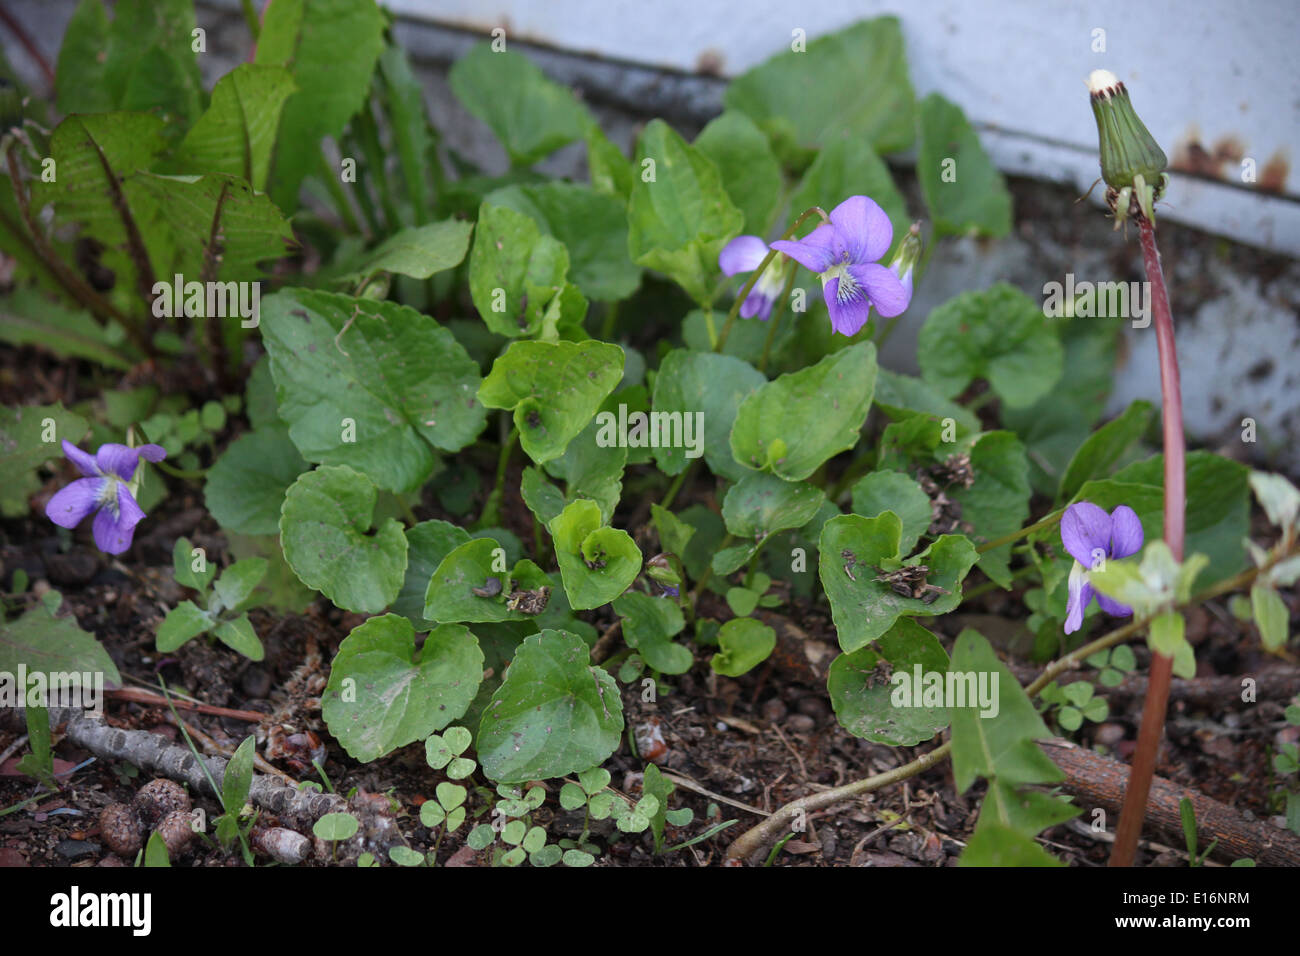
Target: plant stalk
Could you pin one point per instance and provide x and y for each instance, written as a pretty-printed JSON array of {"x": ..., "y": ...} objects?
[
  {"x": 753, "y": 276},
  {"x": 1157, "y": 700}
]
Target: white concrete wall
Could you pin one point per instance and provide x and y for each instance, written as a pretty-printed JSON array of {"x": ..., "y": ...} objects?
[{"x": 1205, "y": 70}]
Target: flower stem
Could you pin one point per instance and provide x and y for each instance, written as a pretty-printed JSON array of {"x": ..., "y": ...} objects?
[
  {"x": 753, "y": 277},
  {"x": 1024, "y": 532},
  {"x": 776, "y": 320},
  {"x": 677, "y": 483},
  {"x": 1157, "y": 700},
  {"x": 492, "y": 507}
]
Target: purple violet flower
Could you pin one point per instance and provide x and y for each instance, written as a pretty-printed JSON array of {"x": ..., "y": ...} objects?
[
  {"x": 846, "y": 254},
  {"x": 1091, "y": 537},
  {"x": 745, "y": 254},
  {"x": 106, "y": 490}
]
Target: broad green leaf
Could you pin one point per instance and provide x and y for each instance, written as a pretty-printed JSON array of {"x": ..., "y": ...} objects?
[
  {"x": 143, "y": 60},
  {"x": 450, "y": 593},
  {"x": 853, "y": 81},
  {"x": 245, "y": 487},
  {"x": 554, "y": 389},
  {"x": 745, "y": 643},
  {"x": 79, "y": 76},
  {"x": 997, "y": 334},
  {"x": 155, "y": 851},
  {"x": 896, "y": 492},
  {"x": 28, "y": 317},
  {"x": 190, "y": 569},
  {"x": 1056, "y": 425},
  {"x": 649, "y": 625},
  {"x": 237, "y": 779},
  {"x": 902, "y": 396},
  {"x": 963, "y": 189},
  {"x": 179, "y": 215},
  {"x": 1271, "y": 616},
  {"x": 412, "y": 136},
  {"x": 850, "y": 552},
  {"x": 848, "y": 166},
  {"x": 1278, "y": 497},
  {"x": 331, "y": 47},
  {"x": 336, "y": 826},
  {"x": 876, "y": 691},
  {"x": 531, "y": 115},
  {"x": 95, "y": 154},
  {"x": 674, "y": 533},
  {"x": 1104, "y": 448},
  {"x": 597, "y": 564},
  {"x": 610, "y": 171},
  {"x": 795, "y": 422},
  {"x": 30, "y": 435},
  {"x": 995, "y": 737},
  {"x": 998, "y": 502},
  {"x": 996, "y": 845},
  {"x": 280, "y": 589},
  {"x": 553, "y": 714},
  {"x": 543, "y": 499},
  {"x": 427, "y": 544},
  {"x": 183, "y": 622},
  {"x": 236, "y": 583},
  {"x": 324, "y": 529},
  {"x": 49, "y": 645},
  {"x": 237, "y": 132},
  {"x": 742, "y": 601},
  {"x": 419, "y": 251},
  {"x": 750, "y": 172},
  {"x": 679, "y": 214},
  {"x": 592, "y": 467},
  {"x": 382, "y": 694},
  {"x": 691, "y": 383},
  {"x": 760, "y": 505},
  {"x": 369, "y": 384},
  {"x": 238, "y": 635},
  {"x": 592, "y": 226}
]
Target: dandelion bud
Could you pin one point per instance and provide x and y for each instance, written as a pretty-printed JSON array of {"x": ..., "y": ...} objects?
[{"x": 1132, "y": 163}]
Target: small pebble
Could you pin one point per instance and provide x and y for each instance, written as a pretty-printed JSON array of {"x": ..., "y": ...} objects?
[
  {"x": 120, "y": 829},
  {"x": 74, "y": 849},
  {"x": 774, "y": 710},
  {"x": 177, "y": 831},
  {"x": 813, "y": 707},
  {"x": 157, "y": 798},
  {"x": 1110, "y": 734},
  {"x": 800, "y": 723}
]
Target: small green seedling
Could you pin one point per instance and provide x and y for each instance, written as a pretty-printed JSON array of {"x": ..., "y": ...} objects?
[
  {"x": 336, "y": 827},
  {"x": 230, "y": 597},
  {"x": 1074, "y": 702}
]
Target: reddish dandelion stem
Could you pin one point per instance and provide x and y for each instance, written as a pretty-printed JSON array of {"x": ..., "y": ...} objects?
[{"x": 1157, "y": 700}]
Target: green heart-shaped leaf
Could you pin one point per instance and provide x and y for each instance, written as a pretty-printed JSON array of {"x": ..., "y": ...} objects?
[
  {"x": 381, "y": 695},
  {"x": 866, "y": 687},
  {"x": 323, "y": 529},
  {"x": 852, "y": 549},
  {"x": 553, "y": 714},
  {"x": 795, "y": 422},
  {"x": 554, "y": 389},
  {"x": 596, "y": 564}
]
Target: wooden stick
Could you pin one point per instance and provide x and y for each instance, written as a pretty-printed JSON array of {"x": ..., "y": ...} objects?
[
  {"x": 1101, "y": 781},
  {"x": 155, "y": 754},
  {"x": 157, "y": 700}
]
